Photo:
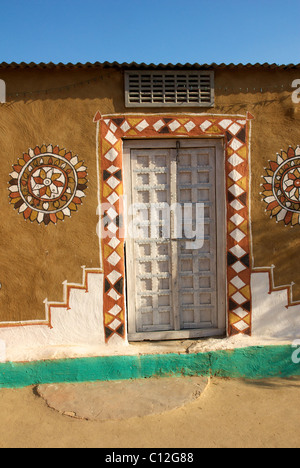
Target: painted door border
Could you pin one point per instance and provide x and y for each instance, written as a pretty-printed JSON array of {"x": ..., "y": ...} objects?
[{"x": 236, "y": 133}]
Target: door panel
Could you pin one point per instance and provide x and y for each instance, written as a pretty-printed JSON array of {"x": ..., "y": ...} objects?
[
  {"x": 150, "y": 174},
  {"x": 197, "y": 267}
]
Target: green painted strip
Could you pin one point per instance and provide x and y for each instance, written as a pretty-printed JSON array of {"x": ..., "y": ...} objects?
[
  {"x": 250, "y": 363},
  {"x": 255, "y": 362}
]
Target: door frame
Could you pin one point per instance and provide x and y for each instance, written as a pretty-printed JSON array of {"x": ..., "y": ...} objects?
[
  {"x": 220, "y": 215},
  {"x": 235, "y": 129}
]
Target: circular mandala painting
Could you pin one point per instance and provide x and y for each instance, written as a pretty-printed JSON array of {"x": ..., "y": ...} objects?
[
  {"x": 47, "y": 184},
  {"x": 282, "y": 187}
]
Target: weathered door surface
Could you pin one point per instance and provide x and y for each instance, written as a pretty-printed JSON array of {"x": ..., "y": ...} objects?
[{"x": 175, "y": 245}]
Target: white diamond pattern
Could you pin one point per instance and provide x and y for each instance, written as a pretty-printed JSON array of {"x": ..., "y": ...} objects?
[
  {"x": 237, "y": 235},
  {"x": 234, "y": 128},
  {"x": 205, "y": 125},
  {"x": 235, "y": 144},
  {"x": 113, "y": 182},
  {"x": 112, "y": 127},
  {"x": 238, "y": 267},
  {"x": 236, "y": 190},
  {"x": 114, "y": 242},
  {"x": 125, "y": 126},
  {"x": 240, "y": 313},
  {"x": 235, "y": 175},
  {"x": 236, "y": 205},
  {"x": 112, "y": 169},
  {"x": 114, "y": 325},
  {"x": 174, "y": 125},
  {"x": 114, "y": 295},
  {"x": 237, "y": 282},
  {"x": 239, "y": 298},
  {"x": 112, "y": 213},
  {"x": 158, "y": 125},
  {"x": 241, "y": 325},
  {"x": 225, "y": 123},
  {"x": 189, "y": 126},
  {"x": 115, "y": 310},
  {"x": 114, "y": 258},
  {"x": 237, "y": 219},
  {"x": 235, "y": 160},
  {"x": 112, "y": 228},
  {"x": 238, "y": 251},
  {"x": 114, "y": 276},
  {"x": 141, "y": 126},
  {"x": 111, "y": 138},
  {"x": 113, "y": 198},
  {"x": 111, "y": 154}
]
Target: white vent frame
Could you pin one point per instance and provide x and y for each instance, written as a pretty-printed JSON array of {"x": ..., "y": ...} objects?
[{"x": 169, "y": 88}]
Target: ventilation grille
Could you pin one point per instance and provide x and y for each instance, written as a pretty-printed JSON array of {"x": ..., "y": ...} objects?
[{"x": 169, "y": 89}]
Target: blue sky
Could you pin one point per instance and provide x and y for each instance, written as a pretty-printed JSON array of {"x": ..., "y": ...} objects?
[{"x": 150, "y": 31}]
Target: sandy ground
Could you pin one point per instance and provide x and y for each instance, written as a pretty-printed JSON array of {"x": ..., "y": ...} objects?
[{"x": 230, "y": 413}]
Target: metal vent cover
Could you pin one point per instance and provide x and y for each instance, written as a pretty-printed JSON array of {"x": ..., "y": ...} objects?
[{"x": 169, "y": 88}]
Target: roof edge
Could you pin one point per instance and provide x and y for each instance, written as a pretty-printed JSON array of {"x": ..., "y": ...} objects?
[{"x": 151, "y": 66}]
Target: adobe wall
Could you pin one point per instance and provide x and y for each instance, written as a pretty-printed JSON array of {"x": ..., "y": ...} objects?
[{"x": 54, "y": 110}]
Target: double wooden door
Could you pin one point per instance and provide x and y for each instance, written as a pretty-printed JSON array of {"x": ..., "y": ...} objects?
[{"x": 175, "y": 239}]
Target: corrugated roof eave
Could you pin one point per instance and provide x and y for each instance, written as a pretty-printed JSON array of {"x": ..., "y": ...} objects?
[{"x": 135, "y": 65}]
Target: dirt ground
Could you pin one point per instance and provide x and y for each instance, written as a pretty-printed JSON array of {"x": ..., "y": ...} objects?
[{"x": 231, "y": 413}]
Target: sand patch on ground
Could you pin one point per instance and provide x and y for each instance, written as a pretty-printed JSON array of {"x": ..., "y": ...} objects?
[{"x": 123, "y": 399}]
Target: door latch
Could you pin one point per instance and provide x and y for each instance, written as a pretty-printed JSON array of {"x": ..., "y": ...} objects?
[{"x": 177, "y": 150}]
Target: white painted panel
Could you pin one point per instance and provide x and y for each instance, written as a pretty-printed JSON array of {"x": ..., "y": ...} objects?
[
  {"x": 197, "y": 267},
  {"x": 151, "y": 186},
  {"x": 271, "y": 318},
  {"x": 2, "y": 92}
]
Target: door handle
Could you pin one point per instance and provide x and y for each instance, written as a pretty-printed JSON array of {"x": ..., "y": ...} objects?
[{"x": 177, "y": 150}]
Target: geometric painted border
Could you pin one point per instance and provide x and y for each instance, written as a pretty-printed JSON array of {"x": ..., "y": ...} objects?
[{"x": 235, "y": 131}]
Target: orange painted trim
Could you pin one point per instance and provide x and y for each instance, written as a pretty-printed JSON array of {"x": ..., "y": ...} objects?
[
  {"x": 236, "y": 133},
  {"x": 25, "y": 324}
]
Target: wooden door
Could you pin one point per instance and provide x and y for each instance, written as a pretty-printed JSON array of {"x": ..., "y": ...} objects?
[{"x": 175, "y": 284}]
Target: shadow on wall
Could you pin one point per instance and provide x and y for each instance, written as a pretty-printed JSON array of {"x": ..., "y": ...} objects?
[
  {"x": 36, "y": 84},
  {"x": 261, "y": 103},
  {"x": 44, "y": 82}
]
